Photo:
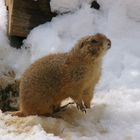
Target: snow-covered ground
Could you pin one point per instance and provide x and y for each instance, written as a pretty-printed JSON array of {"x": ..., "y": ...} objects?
[{"x": 115, "y": 114}]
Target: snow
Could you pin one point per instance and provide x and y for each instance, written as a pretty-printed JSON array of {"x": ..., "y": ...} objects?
[
  {"x": 10, "y": 57},
  {"x": 3, "y": 38},
  {"x": 64, "y": 6},
  {"x": 116, "y": 105}
]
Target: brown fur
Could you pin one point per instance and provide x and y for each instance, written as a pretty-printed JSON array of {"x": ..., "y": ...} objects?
[{"x": 56, "y": 77}]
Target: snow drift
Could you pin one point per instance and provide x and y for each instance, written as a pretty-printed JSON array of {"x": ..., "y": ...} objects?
[{"x": 116, "y": 105}]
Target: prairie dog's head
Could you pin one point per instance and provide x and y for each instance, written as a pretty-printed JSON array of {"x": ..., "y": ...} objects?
[{"x": 93, "y": 46}]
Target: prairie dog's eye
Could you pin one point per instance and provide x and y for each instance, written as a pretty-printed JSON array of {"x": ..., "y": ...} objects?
[{"x": 94, "y": 42}]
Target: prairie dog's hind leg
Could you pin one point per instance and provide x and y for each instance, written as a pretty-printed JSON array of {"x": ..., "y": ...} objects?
[{"x": 62, "y": 108}]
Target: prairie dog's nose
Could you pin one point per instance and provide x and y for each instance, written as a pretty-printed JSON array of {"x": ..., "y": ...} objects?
[{"x": 109, "y": 43}]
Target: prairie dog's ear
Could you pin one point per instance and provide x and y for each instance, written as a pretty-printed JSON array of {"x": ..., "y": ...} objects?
[
  {"x": 81, "y": 45},
  {"x": 93, "y": 51}
]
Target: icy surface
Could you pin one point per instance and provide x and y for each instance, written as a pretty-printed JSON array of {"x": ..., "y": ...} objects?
[{"x": 115, "y": 113}]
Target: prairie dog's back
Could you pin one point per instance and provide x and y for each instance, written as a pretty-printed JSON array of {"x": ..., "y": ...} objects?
[{"x": 46, "y": 72}]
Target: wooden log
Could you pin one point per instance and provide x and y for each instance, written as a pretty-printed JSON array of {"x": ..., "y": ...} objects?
[{"x": 27, "y": 14}]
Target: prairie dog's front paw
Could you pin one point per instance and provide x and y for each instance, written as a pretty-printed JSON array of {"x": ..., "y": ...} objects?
[
  {"x": 81, "y": 106},
  {"x": 87, "y": 105}
]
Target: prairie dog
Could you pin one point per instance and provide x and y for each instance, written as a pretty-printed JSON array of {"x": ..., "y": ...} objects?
[{"x": 56, "y": 77}]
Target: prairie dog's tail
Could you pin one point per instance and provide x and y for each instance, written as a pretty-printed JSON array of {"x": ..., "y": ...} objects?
[{"x": 16, "y": 113}]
